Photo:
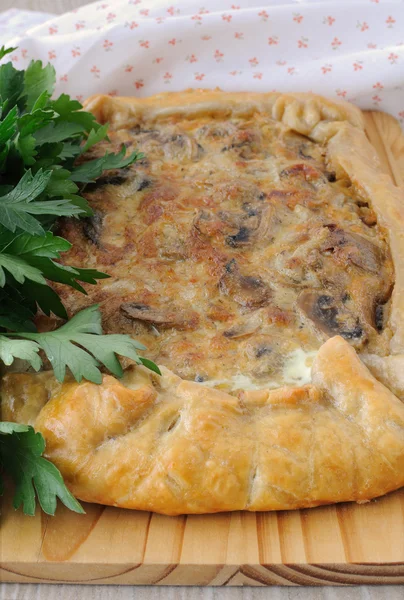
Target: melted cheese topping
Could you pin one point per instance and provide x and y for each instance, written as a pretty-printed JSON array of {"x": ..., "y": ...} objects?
[
  {"x": 296, "y": 371},
  {"x": 233, "y": 250}
]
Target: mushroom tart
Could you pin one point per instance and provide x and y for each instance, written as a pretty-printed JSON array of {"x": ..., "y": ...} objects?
[{"x": 258, "y": 253}]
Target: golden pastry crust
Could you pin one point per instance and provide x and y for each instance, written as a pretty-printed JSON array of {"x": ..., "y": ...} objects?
[
  {"x": 171, "y": 446},
  {"x": 175, "y": 446}
]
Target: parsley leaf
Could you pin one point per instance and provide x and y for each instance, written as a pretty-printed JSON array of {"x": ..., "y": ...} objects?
[
  {"x": 90, "y": 170},
  {"x": 80, "y": 346},
  {"x": 70, "y": 111},
  {"x": 37, "y": 80},
  {"x": 21, "y": 450},
  {"x": 30, "y": 257},
  {"x": 24, "y": 349},
  {"x": 95, "y": 136},
  {"x": 11, "y": 88},
  {"x": 8, "y": 126},
  {"x": 19, "y": 269},
  {"x": 17, "y": 206},
  {"x": 4, "y": 51}
]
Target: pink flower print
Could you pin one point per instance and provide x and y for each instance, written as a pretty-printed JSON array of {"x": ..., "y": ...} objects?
[
  {"x": 144, "y": 12},
  {"x": 401, "y": 115},
  {"x": 131, "y": 25},
  {"x": 197, "y": 19},
  {"x": 362, "y": 26},
  {"x": 253, "y": 61},
  {"x": 138, "y": 84},
  {"x": 234, "y": 7},
  {"x": 234, "y": 73},
  {"x": 96, "y": 72},
  {"x": 376, "y": 99},
  {"x": 341, "y": 93},
  {"x": 336, "y": 43},
  {"x": 329, "y": 20},
  {"x": 51, "y": 54},
  {"x": 128, "y": 68},
  {"x": 205, "y": 38},
  {"x": 218, "y": 56},
  {"x": 378, "y": 86},
  {"x": 291, "y": 71},
  {"x": 158, "y": 60},
  {"x": 80, "y": 97},
  {"x": 167, "y": 77},
  {"x": 113, "y": 93},
  {"x": 392, "y": 58},
  {"x": 80, "y": 25},
  {"x": 390, "y": 21},
  {"x": 111, "y": 16},
  {"x": 227, "y": 18},
  {"x": 203, "y": 11},
  {"x": 372, "y": 46},
  {"x": 297, "y": 17},
  {"x": 159, "y": 20},
  {"x": 53, "y": 29},
  {"x": 199, "y": 76},
  {"x": 173, "y": 42},
  {"x": 101, "y": 6},
  {"x": 14, "y": 58},
  {"x": 144, "y": 43},
  {"x": 238, "y": 35},
  {"x": 171, "y": 10},
  {"x": 358, "y": 65},
  {"x": 64, "y": 78},
  {"x": 257, "y": 75},
  {"x": 24, "y": 52},
  {"x": 302, "y": 43},
  {"x": 191, "y": 58},
  {"x": 327, "y": 68},
  {"x": 107, "y": 45},
  {"x": 134, "y": 2},
  {"x": 76, "y": 51},
  {"x": 273, "y": 41},
  {"x": 281, "y": 63},
  {"x": 264, "y": 15}
]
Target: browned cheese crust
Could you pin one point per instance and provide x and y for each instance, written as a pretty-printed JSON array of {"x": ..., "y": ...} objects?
[{"x": 256, "y": 228}]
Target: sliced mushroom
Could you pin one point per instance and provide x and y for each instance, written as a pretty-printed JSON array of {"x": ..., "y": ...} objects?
[
  {"x": 330, "y": 316},
  {"x": 251, "y": 292},
  {"x": 116, "y": 178},
  {"x": 246, "y": 143},
  {"x": 161, "y": 317},
  {"x": 216, "y": 130},
  {"x": 351, "y": 247},
  {"x": 245, "y": 326},
  {"x": 93, "y": 226},
  {"x": 180, "y": 146}
]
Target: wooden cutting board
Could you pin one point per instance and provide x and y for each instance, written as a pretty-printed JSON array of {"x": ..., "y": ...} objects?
[{"x": 333, "y": 545}]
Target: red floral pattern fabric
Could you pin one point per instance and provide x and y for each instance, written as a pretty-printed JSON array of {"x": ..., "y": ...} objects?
[{"x": 351, "y": 49}]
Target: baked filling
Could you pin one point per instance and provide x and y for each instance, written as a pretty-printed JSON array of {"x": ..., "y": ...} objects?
[{"x": 234, "y": 251}]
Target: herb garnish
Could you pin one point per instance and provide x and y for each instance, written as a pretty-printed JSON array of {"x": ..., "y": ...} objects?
[{"x": 41, "y": 140}]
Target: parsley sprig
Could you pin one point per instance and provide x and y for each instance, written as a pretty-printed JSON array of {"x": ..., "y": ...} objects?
[
  {"x": 43, "y": 171},
  {"x": 21, "y": 458}
]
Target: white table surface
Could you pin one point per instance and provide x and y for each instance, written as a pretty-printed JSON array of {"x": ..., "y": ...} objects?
[{"x": 115, "y": 592}]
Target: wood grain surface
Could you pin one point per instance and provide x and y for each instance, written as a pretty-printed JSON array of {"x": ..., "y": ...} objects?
[{"x": 328, "y": 546}]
